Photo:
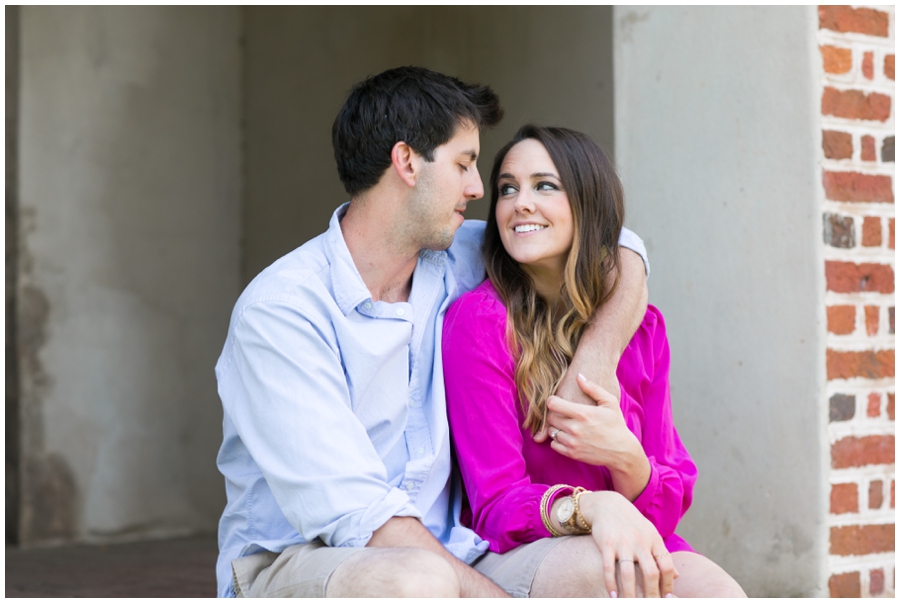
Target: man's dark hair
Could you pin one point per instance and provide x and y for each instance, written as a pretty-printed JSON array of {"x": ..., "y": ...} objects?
[{"x": 411, "y": 104}]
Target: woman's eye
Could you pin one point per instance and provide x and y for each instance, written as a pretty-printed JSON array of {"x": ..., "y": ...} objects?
[
  {"x": 546, "y": 186},
  {"x": 506, "y": 189}
]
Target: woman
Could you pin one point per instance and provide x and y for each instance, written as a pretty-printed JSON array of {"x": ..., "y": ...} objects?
[{"x": 617, "y": 472}]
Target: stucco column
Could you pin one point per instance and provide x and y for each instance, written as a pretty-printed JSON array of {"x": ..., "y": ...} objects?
[
  {"x": 130, "y": 178},
  {"x": 716, "y": 135}
]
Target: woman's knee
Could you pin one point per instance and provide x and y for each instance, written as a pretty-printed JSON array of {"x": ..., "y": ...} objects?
[
  {"x": 701, "y": 577},
  {"x": 394, "y": 573}
]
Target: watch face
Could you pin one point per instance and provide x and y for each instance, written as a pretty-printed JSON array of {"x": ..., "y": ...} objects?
[{"x": 565, "y": 510}]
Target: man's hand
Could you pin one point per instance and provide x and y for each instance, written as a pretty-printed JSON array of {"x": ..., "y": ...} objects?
[
  {"x": 408, "y": 532},
  {"x": 608, "y": 334}
]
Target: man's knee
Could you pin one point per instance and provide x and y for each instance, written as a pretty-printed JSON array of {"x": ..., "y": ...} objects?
[{"x": 394, "y": 573}]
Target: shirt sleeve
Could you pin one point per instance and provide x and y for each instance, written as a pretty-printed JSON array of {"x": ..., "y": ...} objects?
[
  {"x": 669, "y": 493},
  {"x": 478, "y": 375},
  {"x": 629, "y": 239},
  {"x": 288, "y": 398}
]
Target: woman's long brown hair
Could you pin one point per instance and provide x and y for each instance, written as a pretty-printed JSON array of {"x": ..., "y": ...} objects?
[{"x": 543, "y": 341}]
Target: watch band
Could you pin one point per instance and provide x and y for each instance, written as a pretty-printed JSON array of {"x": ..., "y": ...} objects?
[{"x": 578, "y": 516}]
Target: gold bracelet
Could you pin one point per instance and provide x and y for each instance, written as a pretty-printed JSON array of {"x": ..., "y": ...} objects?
[
  {"x": 545, "y": 511},
  {"x": 578, "y": 516}
]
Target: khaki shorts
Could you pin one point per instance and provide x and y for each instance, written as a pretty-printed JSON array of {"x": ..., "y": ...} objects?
[{"x": 303, "y": 570}]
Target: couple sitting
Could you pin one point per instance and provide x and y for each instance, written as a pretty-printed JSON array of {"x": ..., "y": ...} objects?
[{"x": 349, "y": 360}]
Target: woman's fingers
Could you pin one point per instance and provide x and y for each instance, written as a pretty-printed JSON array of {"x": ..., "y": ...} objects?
[
  {"x": 650, "y": 572},
  {"x": 609, "y": 571},
  {"x": 667, "y": 573},
  {"x": 626, "y": 577}
]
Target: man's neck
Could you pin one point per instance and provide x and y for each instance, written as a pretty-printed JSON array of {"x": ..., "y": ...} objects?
[{"x": 385, "y": 264}]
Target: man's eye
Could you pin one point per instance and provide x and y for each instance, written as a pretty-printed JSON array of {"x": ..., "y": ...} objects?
[
  {"x": 506, "y": 189},
  {"x": 464, "y": 167}
]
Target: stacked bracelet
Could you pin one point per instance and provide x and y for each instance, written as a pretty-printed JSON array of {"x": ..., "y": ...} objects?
[
  {"x": 578, "y": 516},
  {"x": 546, "y": 501}
]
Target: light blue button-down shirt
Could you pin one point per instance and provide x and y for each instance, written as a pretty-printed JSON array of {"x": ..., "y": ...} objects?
[{"x": 335, "y": 417}]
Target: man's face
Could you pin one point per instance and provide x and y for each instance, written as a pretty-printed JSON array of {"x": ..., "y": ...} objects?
[{"x": 443, "y": 189}]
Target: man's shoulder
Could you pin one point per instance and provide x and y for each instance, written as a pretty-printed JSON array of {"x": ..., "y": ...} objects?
[{"x": 297, "y": 277}]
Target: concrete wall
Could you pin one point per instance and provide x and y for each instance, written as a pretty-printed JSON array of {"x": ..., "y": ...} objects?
[
  {"x": 716, "y": 139},
  {"x": 129, "y": 262},
  {"x": 550, "y": 65}
]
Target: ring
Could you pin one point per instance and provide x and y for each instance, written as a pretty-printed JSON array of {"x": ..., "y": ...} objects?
[
  {"x": 554, "y": 434},
  {"x": 625, "y": 559}
]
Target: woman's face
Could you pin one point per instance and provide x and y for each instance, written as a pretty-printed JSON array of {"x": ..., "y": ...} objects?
[{"x": 533, "y": 211}]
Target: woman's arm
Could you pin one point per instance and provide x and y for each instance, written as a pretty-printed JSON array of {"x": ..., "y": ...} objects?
[
  {"x": 659, "y": 478},
  {"x": 484, "y": 423}
]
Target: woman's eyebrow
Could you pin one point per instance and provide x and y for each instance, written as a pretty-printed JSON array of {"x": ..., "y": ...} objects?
[{"x": 544, "y": 175}]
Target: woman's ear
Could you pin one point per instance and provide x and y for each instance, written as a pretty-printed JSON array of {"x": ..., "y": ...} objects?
[{"x": 405, "y": 163}]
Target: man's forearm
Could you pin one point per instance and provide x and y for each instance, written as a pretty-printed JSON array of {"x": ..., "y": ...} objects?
[
  {"x": 608, "y": 334},
  {"x": 408, "y": 532}
]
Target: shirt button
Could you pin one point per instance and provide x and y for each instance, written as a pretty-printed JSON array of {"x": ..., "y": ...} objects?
[
  {"x": 408, "y": 486},
  {"x": 401, "y": 312},
  {"x": 367, "y": 305},
  {"x": 420, "y": 451}
]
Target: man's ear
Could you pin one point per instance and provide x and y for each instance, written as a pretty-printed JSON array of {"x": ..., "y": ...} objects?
[{"x": 405, "y": 163}]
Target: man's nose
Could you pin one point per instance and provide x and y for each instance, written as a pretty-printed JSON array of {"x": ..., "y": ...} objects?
[{"x": 475, "y": 189}]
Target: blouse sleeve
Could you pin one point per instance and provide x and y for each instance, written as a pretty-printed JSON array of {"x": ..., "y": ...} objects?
[
  {"x": 669, "y": 492},
  {"x": 481, "y": 407}
]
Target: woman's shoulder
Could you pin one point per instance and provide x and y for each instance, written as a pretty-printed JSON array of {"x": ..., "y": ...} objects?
[{"x": 481, "y": 306}]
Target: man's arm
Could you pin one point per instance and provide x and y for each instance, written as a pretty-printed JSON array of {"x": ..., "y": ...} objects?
[
  {"x": 608, "y": 334},
  {"x": 408, "y": 532}
]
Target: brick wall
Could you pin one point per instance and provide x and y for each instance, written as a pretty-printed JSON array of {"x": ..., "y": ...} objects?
[{"x": 857, "y": 158}]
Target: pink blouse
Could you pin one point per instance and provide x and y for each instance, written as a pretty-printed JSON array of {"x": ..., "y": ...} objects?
[{"x": 506, "y": 473}]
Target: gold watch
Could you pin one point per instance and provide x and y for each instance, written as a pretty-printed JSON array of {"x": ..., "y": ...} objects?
[{"x": 567, "y": 513}]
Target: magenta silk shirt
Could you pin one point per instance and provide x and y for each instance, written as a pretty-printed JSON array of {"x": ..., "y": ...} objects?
[{"x": 506, "y": 473}]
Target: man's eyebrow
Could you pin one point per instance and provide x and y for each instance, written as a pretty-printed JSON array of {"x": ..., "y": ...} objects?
[{"x": 473, "y": 155}]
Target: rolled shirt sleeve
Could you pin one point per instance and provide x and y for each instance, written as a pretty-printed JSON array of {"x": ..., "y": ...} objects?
[{"x": 289, "y": 401}]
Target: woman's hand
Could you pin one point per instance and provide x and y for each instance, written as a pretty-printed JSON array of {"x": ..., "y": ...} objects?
[
  {"x": 598, "y": 435},
  {"x": 627, "y": 540}
]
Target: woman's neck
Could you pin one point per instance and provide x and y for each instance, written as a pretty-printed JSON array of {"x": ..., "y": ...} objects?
[{"x": 548, "y": 284}]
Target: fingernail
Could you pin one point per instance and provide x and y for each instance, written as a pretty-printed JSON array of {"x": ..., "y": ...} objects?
[
  {"x": 669, "y": 596},
  {"x": 583, "y": 378},
  {"x": 612, "y": 593}
]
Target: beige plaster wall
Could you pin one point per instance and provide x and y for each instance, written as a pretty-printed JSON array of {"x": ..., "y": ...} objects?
[
  {"x": 130, "y": 182},
  {"x": 550, "y": 65},
  {"x": 716, "y": 136}
]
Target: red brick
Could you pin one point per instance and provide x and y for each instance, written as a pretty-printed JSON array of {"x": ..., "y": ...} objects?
[
  {"x": 844, "y": 586},
  {"x": 844, "y": 19},
  {"x": 876, "y": 581},
  {"x": 841, "y": 319},
  {"x": 871, "y": 231},
  {"x": 853, "y": 186},
  {"x": 867, "y": 148},
  {"x": 862, "y": 540},
  {"x": 847, "y": 277},
  {"x": 868, "y": 68},
  {"x": 873, "y": 408},
  {"x": 871, "y": 320},
  {"x": 890, "y": 410},
  {"x": 869, "y": 364},
  {"x": 856, "y": 104},
  {"x": 889, "y": 66},
  {"x": 861, "y": 451},
  {"x": 836, "y": 60},
  {"x": 891, "y": 233},
  {"x": 876, "y": 493},
  {"x": 837, "y": 145},
  {"x": 844, "y": 499}
]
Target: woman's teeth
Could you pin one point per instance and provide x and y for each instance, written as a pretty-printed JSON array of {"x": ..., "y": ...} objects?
[{"x": 529, "y": 227}]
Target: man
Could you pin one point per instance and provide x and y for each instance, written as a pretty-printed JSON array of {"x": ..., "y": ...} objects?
[{"x": 336, "y": 448}]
